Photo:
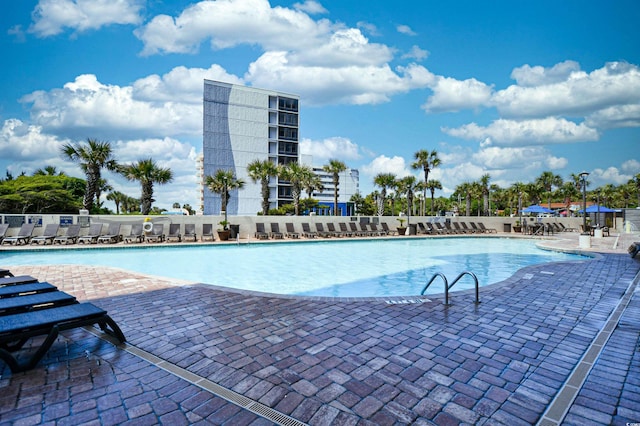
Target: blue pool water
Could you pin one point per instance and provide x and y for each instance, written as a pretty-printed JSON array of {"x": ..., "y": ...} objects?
[{"x": 372, "y": 268}]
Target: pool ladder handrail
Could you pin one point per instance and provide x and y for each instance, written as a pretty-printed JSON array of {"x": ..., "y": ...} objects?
[{"x": 448, "y": 286}]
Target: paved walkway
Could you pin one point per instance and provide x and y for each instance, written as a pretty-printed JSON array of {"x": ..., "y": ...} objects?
[{"x": 556, "y": 343}]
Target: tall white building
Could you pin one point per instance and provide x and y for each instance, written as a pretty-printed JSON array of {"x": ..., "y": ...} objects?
[{"x": 243, "y": 124}]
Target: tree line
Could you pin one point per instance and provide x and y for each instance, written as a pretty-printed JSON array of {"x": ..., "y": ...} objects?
[{"x": 50, "y": 191}]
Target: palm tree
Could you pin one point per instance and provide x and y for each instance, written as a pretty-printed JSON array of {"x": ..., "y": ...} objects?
[
  {"x": 432, "y": 185},
  {"x": 147, "y": 172},
  {"x": 548, "y": 180},
  {"x": 311, "y": 182},
  {"x": 117, "y": 198},
  {"x": 406, "y": 185},
  {"x": 465, "y": 189},
  {"x": 295, "y": 174},
  {"x": 48, "y": 171},
  {"x": 92, "y": 158},
  {"x": 484, "y": 188},
  {"x": 384, "y": 181},
  {"x": 335, "y": 167},
  {"x": 426, "y": 161},
  {"x": 262, "y": 170},
  {"x": 222, "y": 182}
]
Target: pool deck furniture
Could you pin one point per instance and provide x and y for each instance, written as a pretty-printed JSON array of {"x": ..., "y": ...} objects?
[
  {"x": 321, "y": 232},
  {"x": 24, "y": 289},
  {"x": 5, "y": 273},
  {"x": 95, "y": 230},
  {"x": 190, "y": 232},
  {"x": 70, "y": 237},
  {"x": 291, "y": 231},
  {"x": 112, "y": 236},
  {"x": 174, "y": 233},
  {"x": 345, "y": 231},
  {"x": 135, "y": 235},
  {"x": 156, "y": 235},
  {"x": 260, "y": 233},
  {"x": 307, "y": 232},
  {"x": 23, "y": 236},
  {"x": 34, "y": 301},
  {"x": 207, "y": 232},
  {"x": 20, "y": 279},
  {"x": 275, "y": 231},
  {"x": 17, "y": 329},
  {"x": 48, "y": 235},
  {"x": 634, "y": 249},
  {"x": 485, "y": 229},
  {"x": 3, "y": 230},
  {"x": 331, "y": 227}
]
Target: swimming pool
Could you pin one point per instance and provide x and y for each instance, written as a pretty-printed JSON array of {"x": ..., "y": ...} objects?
[{"x": 360, "y": 268}]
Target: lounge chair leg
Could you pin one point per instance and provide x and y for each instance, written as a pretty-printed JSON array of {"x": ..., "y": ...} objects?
[
  {"x": 32, "y": 361},
  {"x": 110, "y": 327}
]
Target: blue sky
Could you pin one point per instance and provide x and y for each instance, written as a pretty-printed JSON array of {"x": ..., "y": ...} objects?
[{"x": 502, "y": 87}]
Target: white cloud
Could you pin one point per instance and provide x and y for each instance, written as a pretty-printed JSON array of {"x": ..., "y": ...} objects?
[
  {"x": 335, "y": 147},
  {"x": 22, "y": 142},
  {"x": 311, "y": 7},
  {"x": 569, "y": 91},
  {"x": 450, "y": 94},
  {"x": 599, "y": 177},
  {"x": 416, "y": 53},
  {"x": 383, "y": 164},
  {"x": 349, "y": 84},
  {"x": 50, "y": 17},
  {"x": 181, "y": 84},
  {"x": 527, "y": 132},
  {"x": 405, "y": 29},
  {"x": 631, "y": 166},
  {"x": 615, "y": 116},
  {"x": 230, "y": 23},
  {"x": 528, "y": 76},
  {"x": 153, "y": 106}
]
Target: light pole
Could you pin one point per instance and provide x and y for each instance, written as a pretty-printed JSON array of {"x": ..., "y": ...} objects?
[{"x": 583, "y": 178}]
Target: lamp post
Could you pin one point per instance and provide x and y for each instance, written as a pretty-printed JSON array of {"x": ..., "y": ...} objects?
[{"x": 583, "y": 178}]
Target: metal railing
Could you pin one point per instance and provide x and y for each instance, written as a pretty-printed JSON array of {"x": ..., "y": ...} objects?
[{"x": 448, "y": 286}]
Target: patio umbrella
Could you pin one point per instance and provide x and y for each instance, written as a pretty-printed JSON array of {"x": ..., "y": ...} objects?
[
  {"x": 536, "y": 209},
  {"x": 595, "y": 209}
]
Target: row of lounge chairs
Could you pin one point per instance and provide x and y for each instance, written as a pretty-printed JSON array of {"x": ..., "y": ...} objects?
[
  {"x": 30, "y": 309},
  {"x": 449, "y": 228},
  {"x": 96, "y": 235},
  {"x": 352, "y": 229}
]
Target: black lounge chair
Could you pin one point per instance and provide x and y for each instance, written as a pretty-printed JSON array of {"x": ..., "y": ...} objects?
[
  {"x": 355, "y": 231},
  {"x": 12, "y": 291},
  {"x": 489, "y": 230},
  {"x": 390, "y": 231},
  {"x": 20, "y": 279},
  {"x": 157, "y": 233},
  {"x": 34, "y": 301},
  {"x": 207, "y": 232},
  {"x": 345, "y": 231},
  {"x": 174, "y": 232},
  {"x": 365, "y": 232},
  {"x": 95, "y": 230},
  {"x": 291, "y": 231},
  {"x": 5, "y": 273},
  {"x": 3, "y": 231},
  {"x": 275, "y": 231},
  {"x": 331, "y": 227},
  {"x": 23, "y": 237},
  {"x": 321, "y": 232},
  {"x": 71, "y": 236},
  {"x": 48, "y": 235},
  {"x": 376, "y": 231},
  {"x": 112, "y": 235},
  {"x": 260, "y": 233},
  {"x": 307, "y": 232},
  {"x": 135, "y": 235},
  {"x": 190, "y": 232},
  {"x": 17, "y": 329}
]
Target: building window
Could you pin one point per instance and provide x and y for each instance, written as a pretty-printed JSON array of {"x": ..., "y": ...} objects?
[
  {"x": 288, "y": 148},
  {"x": 286, "y": 160},
  {"x": 287, "y": 119},
  {"x": 287, "y": 133},
  {"x": 288, "y": 104}
]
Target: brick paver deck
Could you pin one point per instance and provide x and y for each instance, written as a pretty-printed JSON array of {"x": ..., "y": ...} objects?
[{"x": 326, "y": 361}]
